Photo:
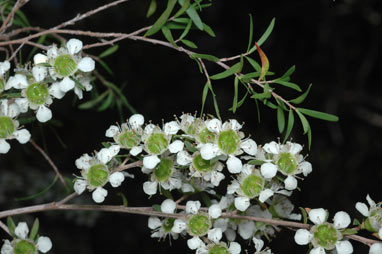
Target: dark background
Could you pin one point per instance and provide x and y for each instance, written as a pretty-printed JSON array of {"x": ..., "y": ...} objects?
[{"x": 334, "y": 45}]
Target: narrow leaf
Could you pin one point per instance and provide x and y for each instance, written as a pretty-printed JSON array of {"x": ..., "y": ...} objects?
[
  {"x": 168, "y": 35},
  {"x": 109, "y": 51},
  {"x": 152, "y": 8},
  {"x": 92, "y": 103},
  {"x": 11, "y": 226},
  {"x": 302, "y": 97},
  {"x": 250, "y": 32},
  {"x": 236, "y": 95},
  {"x": 264, "y": 62},
  {"x": 193, "y": 14},
  {"x": 214, "y": 100},
  {"x": 186, "y": 30},
  {"x": 280, "y": 119},
  {"x": 124, "y": 199},
  {"x": 319, "y": 115},
  {"x": 162, "y": 19},
  {"x": 304, "y": 121},
  {"x": 204, "y": 97},
  {"x": 256, "y": 162},
  {"x": 232, "y": 70},
  {"x": 287, "y": 84},
  {"x": 240, "y": 102},
  {"x": 288, "y": 72},
  {"x": 304, "y": 215},
  {"x": 208, "y": 30},
  {"x": 34, "y": 230},
  {"x": 106, "y": 103},
  {"x": 206, "y": 56},
  {"x": 260, "y": 96},
  {"x": 264, "y": 37},
  {"x": 189, "y": 43},
  {"x": 270, "y": 104},
  {"x": 290, "y": 124},
  {"x": 105, "y": 66},
  {"x": 254, "y": 64},
  {"x": 182, "y": 10}
]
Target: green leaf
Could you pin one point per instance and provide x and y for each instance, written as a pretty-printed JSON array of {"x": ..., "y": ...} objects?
[
  {"x": 349, "y": 231},
  {"x": 186, "y": 30},
  {"x": 256, "y": 162},
  {"x": 236, "y": 95},
  {"x": 157, "y": 208},
  {"x": 304, "y": 121},
  {"x": 356, "y": 222},
  {"x": 11, "y": 226},
  {"x": 241, "y": 101},
  {"x": 208, "y": 30},
  {"x": 288, "y": 72},
  {"x": 309, "y": 138},
  {"x": 287, "y": 84},
  {"x": 168, "y": 35},
  {"x": 302, "y": 97},
  {"x": 182, "y": 20},
  {"x": 106, "y": 103},
  {"x": 162, "y": 19},
  {"x": 92, "y": 103},
  {"x": 254, "y": 64},
  {"x": 124, "y": 199},
  {"x": 264, "y": 37},
  {"x": 281, "y": 104},
  {"x": 214, "y": 99},
  {"x": 247, "y": 77},
  {"x": 182, "y": 10},
  {"x": 205, "y": 56},
  {"x": 270, "y": 104},
  {"x": 204, "y": 97},
  {"x": 109, "y": 51},
  {"x": 206, "y": 199},
  {"x": 260, "y": 96},
  {"x": 152, "y": 8},
  {"x": 105, "y": 66},
  {"x": 189, "y": 43},
  {"x": 121, "y": 96},
  {"x": 290, "y": 124},
  {"x": 34, "y": 230},
  {"x": 280, "y": 119},
  {"x": 193, "y": 14},
  {"x": 175, "y": 26},
  {"x": 304, "y": 215},
  {"x": 190, "y": 147},
  {"x": 250, "y": 32},
  {"x": 319, "y": 115},
  {"x": 23, "y": 18},
  {"x": 232, "y": 70},
  {"x": 40, "y": 193},
  {"x": 264, "y": 62},
  {"x": 166, "y": 193}
]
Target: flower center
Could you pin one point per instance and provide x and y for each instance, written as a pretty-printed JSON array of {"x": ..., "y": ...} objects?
[
  {"x": 206, "y": 136},
  {"x": 191, "y": 129},
  {"x": 326, "y": 236},
  {"x": 157, "y": 143},
  {"x": 287, "y": 163},
  {"x": 252, "y": 185},
  {"x": 129, "y": 139},
  {"x": 37, "y": 93},
  {"x": 201, "y": 164},
  {"x": 65, "y": 65},
  {"x": 199, "y": 225},
  {"x": 168, "y": 224},
  {"x": 163, "y": 171},
  {"x": 98, "y": 175},
  {"x": 228, "y": 141},
  {"x": 374, "y": 222},
  {"x": 218, "y": 249},
  {"x": 24, "y": 247},
  {"x": 6, "y": 126}
]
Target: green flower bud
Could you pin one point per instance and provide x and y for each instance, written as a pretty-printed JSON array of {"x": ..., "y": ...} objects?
[
  {"x": 206, "y": 136},
  {"x": 199, "y": 224},
  {"x": 287, "y": 163},
  {"x": 129, "y": 139},
  {"x": 7, "y": 126},
  {"x": 163, "y": 170},
  {"x": 157, "y": 143},
  {"x": 98, "y": 175},
  {"x": 229, "y": 141},
  {"x": 202, "y": 165},
  {"x": 37, "y": 93},
  {"x": 24, "y": 247},
  {"x": 218, "y": 249},
  {"x": 325, "y": 235},
  {"x": 252, "y": 185},
  {"x": 64, "y": 65}
]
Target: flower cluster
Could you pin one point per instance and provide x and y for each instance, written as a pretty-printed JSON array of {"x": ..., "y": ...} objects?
[{"x": 51, "y": 76}]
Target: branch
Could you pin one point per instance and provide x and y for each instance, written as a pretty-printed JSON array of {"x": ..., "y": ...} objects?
[{"x": 9, "y": 20}]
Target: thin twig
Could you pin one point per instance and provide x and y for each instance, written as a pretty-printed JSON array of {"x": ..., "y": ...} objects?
[
  {"x": 15, "y": 52},
  {"x": 49, "y": 160},
  {"x": 130, "y": 165},
  {"x": 9, "y": 20},
  {"x": 5, "y": 228}
]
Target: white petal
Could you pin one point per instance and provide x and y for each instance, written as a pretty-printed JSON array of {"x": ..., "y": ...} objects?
[
  {"x": 194, "y": 243},
  {"x": 234, "y": 165},
  {"x": 221, "y": 223},
  {"x": 4, "y": 67},
  {"x": 56, "y": 91},
  {"x": 302, "y": 237},
  {"x": 216, "y": 178},
  {"x": 39, "y": 72},
  {"x": 4, "y": 146},
  {"x": 214, "y": 125},
  {"x": 67, "y": 84},
  {"x": 317, "y": 250},
  {"x": 23, "y": 104},
  {"x": 230, "y": 234},
  {"x": 265, "y": 194},
  {"x": 13, "y": 110},
  {"x": 116, "y": 179},
  {"x": 246, "y": 229},
  {"x": 306, "y": 168},
  {"x": 168, "y": 206},
  {"x": 234, "y": 248},
  {"x": 259, "y": 244},
  {"x": 112, "y": 131},
  {"x": 233, "y": 187},
  {"x": 380, "y": 233},
  {"x": 249, "y": 146},
  {"x": 242, "y": 203},
  {"x": 86, "y": 64},
  {"x": 370, "y": 201},
  {"x": 344, "y": 247},
  {"x": 114, "y": 150},
  {"x": 79, "y": 186},
  {"x": 150, "y": 161},
  {"x": 183, "y": 158},
  {"x": 192, "y": 207},
  {"x": 136, "y": 150},
  {"x": 235, "y": 125},
  {"x": 40, "y": 58},
  {"x": 295, "y": 148},
  {"x": 290, "y": 183},
  {"x": 6, "y": 248},
  {"x": 150, "y": 188},
  {"x": 44, "y": 244},
  {"x": 44, "y": 114},
  {"x": 171, "y": 128},
  {"x": 52, "y": 51},
  {"x": 215, "y": 234},
  {"x": 136, "y": 120},
  {"x": 375, "y": 248},
  {"x": 268, "y": 170},
  {"x": 22, "y": 230},
  {"x": 176, "y": 146},
  {"x": 154, "y": 222},
  {"x": 318, "y": 215},
  {"x": 74, "y": 46},
  {"x": 362, "y": 208},
  {"x": 149, "y": 128},
  {"x": 179, "y": 226},
  {"x": 341, "y": 220},
  {"x": 23, "y": 136},
  {"x": 187, "y": 188},
  {"x": 104, "y": 155},
  {"x": 99, "y": 195},
  {"x": 78, "y": 92},
  {"x": 18, "y": 81},
  {"x": 209, "y": 151},
  {"x": 214, "y": 211},
  {"x": 272, "y": 147}
]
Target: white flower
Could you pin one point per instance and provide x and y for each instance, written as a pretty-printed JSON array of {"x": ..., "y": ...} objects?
[
  {"x": 116, "y": 179},
  {"x": 183, "y": 158},
  {"x": 99, "y": 195},
  {"x": 40, "y": 58},
  {"x": 22, "y": 230},
  {"x": 168, "y": 206},
  {"x": 44, "y": 244},
  {"x": 154, "y": 222},
  {"x": 303, "y": 237}
]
